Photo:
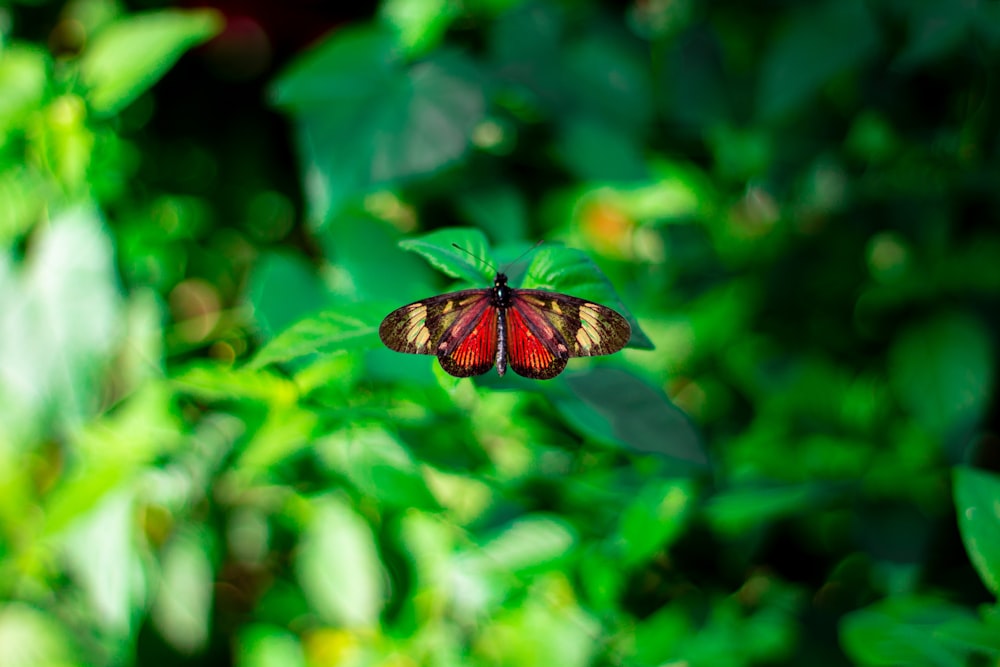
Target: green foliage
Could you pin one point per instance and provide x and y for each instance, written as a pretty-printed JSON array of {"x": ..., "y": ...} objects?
[{"x": 207, "y": 456}]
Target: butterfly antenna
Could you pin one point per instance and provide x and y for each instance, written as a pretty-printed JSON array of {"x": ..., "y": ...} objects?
[
  {"x": 475, "y": 256},
  {"x": 526, "y": 252},
  {"x": 505, "y": 266}
]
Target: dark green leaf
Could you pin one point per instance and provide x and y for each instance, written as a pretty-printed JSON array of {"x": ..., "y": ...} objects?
[
  {"x": 349, "y": 327},
  {"x": 976, "y": 501},
  {"x": 131, "y": 54},
  {"x": 470, "y": 265},
  {"x": 616, "y": 407},
  {"x": 820, "y": 42},
  {"x": 365, "y": 119},
  {"x": 499, "y": 209},
  {"x": 942, "y": 372},
  {"x": 284, "y": 288},
  {"x": 338, "y": 566},
  {"x": 904, "y": 631}
]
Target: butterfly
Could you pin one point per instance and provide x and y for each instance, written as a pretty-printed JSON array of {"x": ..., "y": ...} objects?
[{"x": 534, "y": 331}]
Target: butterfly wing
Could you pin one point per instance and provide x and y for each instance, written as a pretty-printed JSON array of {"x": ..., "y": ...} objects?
[
  {"x": 460, "y": 328},
  {"x": 544, "y": 329}
]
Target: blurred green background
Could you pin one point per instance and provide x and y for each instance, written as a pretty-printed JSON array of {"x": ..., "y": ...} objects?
[{"x": 207, "y": 457}]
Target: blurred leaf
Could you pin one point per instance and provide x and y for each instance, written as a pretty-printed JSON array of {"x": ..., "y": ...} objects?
[
  {"x": 936, "y": 27},
  {"x": 130, "y": 55},
  {"x": 218, "y": 383},
  {"x": 547, "y": 628},
  {"x": 62, "y": 323},
  {"x": 594, "y": 73},
  {"x": 526, "y": 543},
  {"x": 101, "y": 553},
  {"x": 740, "y": 509},
  {"x": 694, "y": 90},
  {"x": 820, "y": 42},
  {"x": 365, "y": 119},
  {"x": 262, "y": 645},
  {"x": 21, "y": 200},
  {"x": 359, "y": 248},
  {"x": 285, "y": 431},
  {"x": 976, "y": 500},
  {"x": 942, "y": 372},
  {"x": 498, "y": 208},
  {"x": 657, "y": 517},
  {"x": 338, "y": 566},
  {"x": 595, "y": 152},
  {"x": 284, "y": 288},
  {"x": 974, "y": 634},
  {"x": 23, "y": 79},
  {"x": 182, "y": 610},
  {"x": 437, "y": 249},
  {"x": 349, "y": 327},
  {"x": 903, "y": 631},
  {"x": 30, "y": 637},
  {"x": 377, "y": 465},
  {"x": 616, "y": 407},
  {"x": 421, "y": 24},
  {"x": 571, "y": 271}
]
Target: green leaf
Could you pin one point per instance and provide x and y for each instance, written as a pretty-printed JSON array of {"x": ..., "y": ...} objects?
[
  {"x": 498, "y": 208},
  {"x": 420, "y": 24},
  {"x": 527, "y": 543},
  {"x": 904, "y": 631},
  {"x": 261, "y": 645},
  {"x": 616, "y": 407},
  {"x": 378, "y": 465},
  {"x": 977, "y": 500},
  {"x": 820, "y": 42},
  {"x": 658, "y": 516},
  {"x": 365, "y": 119},
  {"x": 942, "y": 372},
  {"x": 218, "y": 383},
  {"x": 100, "y": 551},
  {"x": 936, "y": 28},
  {"x": 22, "y": 80},
  {"x": 54, "y": 352},
  {"x": 183, "y": 606},
  {"x": 739, "y": 509},
  {"x": 128, "y": 56},
  {"x": 347, "y": 328},
  {"x": 286, "y": 430},
  {"x": 571, "y": 271},
  {"x": 594, "y": 151},
  {"x": 470, "y": 265},
  {"x": 30, "y": 637},
  {"x": 595, "y": 73},
  {"x": 283, "y": 289},
  {"x": 338, "y": 566}
]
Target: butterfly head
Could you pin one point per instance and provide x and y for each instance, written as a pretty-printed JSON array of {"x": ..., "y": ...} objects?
[{"x": 501, "y": 293}]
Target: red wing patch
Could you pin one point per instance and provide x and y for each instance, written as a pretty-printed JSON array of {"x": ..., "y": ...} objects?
[
  {"x": 528, "y": 354},
  {"x": 466, "y": 351}
]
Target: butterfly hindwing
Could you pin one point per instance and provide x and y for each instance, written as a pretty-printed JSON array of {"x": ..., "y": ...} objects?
[
  {"x": 534, "y": 348},
  {"x": 460, "y": 328},
  {"x": 469, "y": 347}
]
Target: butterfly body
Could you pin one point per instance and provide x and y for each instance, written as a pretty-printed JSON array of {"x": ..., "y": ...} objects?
[{"x": 533, "y": 331}]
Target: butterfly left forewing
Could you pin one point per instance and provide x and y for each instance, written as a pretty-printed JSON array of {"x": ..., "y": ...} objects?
[
  {"x": 419, "y": 327},
  {"x": 459, "y": 328}
]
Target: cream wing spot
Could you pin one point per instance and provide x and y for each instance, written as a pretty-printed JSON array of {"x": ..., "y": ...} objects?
[{"x": 423, "y": 336}]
